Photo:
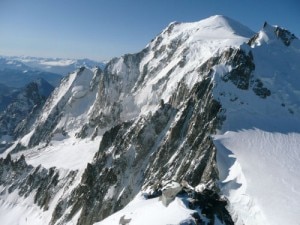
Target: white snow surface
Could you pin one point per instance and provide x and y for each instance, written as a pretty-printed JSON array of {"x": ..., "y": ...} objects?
[
  {"x": 150, "y": 211},
  {"x": 75, "y": 97},
  {"x": 18, "y": 211},
  {"x": 258, "y": 151},
  {"x": 262, "y": 180},
  {"x": 69, "y": 154}
]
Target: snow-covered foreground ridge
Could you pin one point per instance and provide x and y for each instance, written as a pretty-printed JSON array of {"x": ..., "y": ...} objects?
[{"x": 209, "y": 103}]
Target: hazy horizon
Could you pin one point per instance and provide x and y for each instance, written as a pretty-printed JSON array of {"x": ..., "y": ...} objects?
[{"x": 101, "y": 30}]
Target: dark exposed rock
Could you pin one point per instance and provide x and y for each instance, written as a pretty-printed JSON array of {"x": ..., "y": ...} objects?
[
  {"x": 211, "y": 205},
  {"x": 260, "y": 90},
  {"x": 286, "y": 36},
  {"x": 43, "y": 131},
  {"x": 19, "y": 115},
  {"x": 124, "y": 221},
  {"x": 83, "y": 132},
  {"x": 180, "y": 95},
  {"x": 243, "y": 66},
  {"x": 252, "y": 40},
  {"x": 242, "y": 73}
]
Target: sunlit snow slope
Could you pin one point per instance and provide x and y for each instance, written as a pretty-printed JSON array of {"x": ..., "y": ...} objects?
[
  {"x": 258, "y": 148},
  {"x": 55, "y": 151},
  {"x": 55, "y": 138}
]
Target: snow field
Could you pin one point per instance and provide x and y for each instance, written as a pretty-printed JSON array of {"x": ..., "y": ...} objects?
[{"x": 262, "y": 180}]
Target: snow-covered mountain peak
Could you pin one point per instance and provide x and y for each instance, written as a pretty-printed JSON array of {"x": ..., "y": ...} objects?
[
  {"x": 175, "y": 54},
  {"x": 66, "y": 111},
  {"x": 273, "y": 34},
  {"x": 216, "y": 27},
  {"x": 226, "y": 25}
]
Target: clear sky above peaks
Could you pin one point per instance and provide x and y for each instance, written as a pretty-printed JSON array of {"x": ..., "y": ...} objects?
[{"x": 102, "y": 29}]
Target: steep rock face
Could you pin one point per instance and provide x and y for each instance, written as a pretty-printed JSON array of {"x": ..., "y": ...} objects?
[
  {"x": 20, "y": 114},
  {"x": 116, "y": 81},
  {"x": 170, "y": 144},
  {"x": 44, "y": 184}
]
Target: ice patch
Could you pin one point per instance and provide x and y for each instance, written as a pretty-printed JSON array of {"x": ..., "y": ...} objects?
[{"x": 78, "y": 91}]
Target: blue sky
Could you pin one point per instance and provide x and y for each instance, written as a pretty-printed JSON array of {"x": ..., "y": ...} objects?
[{"x": 102, "y": 29}]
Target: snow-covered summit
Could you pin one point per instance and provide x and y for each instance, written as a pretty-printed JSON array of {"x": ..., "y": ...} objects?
[
  {"x": 154, "y": 73},
  {"x": 215, "y": 27}
]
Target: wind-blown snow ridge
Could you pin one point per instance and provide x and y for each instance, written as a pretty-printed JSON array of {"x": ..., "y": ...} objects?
[{"x": 269, "y": 163}]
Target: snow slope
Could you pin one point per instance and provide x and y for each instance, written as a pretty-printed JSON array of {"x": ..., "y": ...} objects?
[
  {"x": 258, "y": 145},
  {"x": 67, "y": 109},
  {"x": 69, "y": 154},
  {"x": 62, "y": 152},
  {"x": 151, "y": 211},
  {"x": 266, "y": 165}
]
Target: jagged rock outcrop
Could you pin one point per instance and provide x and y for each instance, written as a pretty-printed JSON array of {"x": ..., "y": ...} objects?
[
  {"x": 44, "y": 184},
  {"x": 169, "y": 192}
]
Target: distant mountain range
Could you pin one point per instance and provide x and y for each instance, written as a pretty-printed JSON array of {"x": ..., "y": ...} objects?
[
  {"x": 23, "y": 77},
  {"x": 53, "y": 65},
  {"x": 17, "y": 72}
]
